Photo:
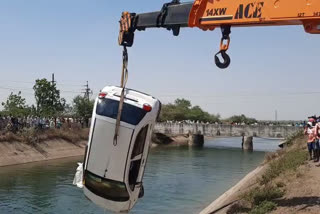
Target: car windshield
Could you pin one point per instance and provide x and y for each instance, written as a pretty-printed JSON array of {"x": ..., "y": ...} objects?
[
  {"x": 108, "y": 189},
  {"x": 130, "y": 114}
]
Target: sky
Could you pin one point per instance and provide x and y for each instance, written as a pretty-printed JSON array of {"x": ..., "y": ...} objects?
[{"x": 272, "y": 68}]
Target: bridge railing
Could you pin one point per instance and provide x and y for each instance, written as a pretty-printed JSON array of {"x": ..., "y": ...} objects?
[{"x": 213, "y": 130}]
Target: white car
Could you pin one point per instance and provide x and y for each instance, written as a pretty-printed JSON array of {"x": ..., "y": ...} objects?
[{"x": 113, "y": 173}]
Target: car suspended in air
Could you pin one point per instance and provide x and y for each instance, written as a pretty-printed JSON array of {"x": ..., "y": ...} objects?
[{"x": 113, "y": 173}]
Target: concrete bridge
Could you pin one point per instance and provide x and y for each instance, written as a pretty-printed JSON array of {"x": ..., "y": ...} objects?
[{"x": 212, "y": 130}]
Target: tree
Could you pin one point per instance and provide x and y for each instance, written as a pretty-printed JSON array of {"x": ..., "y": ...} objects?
[
  {"x": 183, "y": 103},
  {"x": 15, "y": 105},
  {"x": 183, "y": 110},
  {"x": 241, "y": 119},
  {"x": 170, "y": 112},
  {"x": 68, "y": 110},
  {"x": 82, "y": 106},
  {"x": 196, "y": 113},
  {"x": 48, "y": 98}
]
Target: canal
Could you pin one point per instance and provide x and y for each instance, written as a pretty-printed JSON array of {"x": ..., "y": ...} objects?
[{"x": 177, "y": 180}]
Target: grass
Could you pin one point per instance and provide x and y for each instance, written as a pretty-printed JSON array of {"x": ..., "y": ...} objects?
[
  {"x": 32, "y": 136},
  {"x": 280, "y": 184},
  {"x": 290, "y": 161},
  {"x": 291, "y": 139},
  {"x": 261, "y": 199},
  {"x": 264, "y": 207},
  {"x": 259, "y": 195},
  {"x": 10, "y": 137}
]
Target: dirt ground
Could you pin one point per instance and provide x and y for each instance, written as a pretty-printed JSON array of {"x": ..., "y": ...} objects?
[
  {"x": 302, "y": 191},
  {"x": 301, "y": 188}
]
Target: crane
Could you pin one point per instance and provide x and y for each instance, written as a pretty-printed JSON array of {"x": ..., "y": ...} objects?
[{"x": 212, "y": 14}]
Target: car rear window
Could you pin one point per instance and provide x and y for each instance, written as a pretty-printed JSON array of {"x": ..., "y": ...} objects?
[
  {"x": 108, "y": 189},
  {"x": 130, "y": 114}
]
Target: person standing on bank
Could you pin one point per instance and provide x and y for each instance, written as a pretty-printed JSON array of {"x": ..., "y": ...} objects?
[
  {"x": 310, "y": 131},
  {"x": 317, "y": 143}
]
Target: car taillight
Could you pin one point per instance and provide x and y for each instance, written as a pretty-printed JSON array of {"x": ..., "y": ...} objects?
[
  {"x": 102, "y": 95},
  {"x": 147, "y": 107}
]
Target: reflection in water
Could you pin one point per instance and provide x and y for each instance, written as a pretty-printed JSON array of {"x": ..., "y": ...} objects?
[{"x": 177, "y": 180}]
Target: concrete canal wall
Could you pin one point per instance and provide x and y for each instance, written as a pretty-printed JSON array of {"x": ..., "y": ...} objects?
[
  {"x": 212, "y": 130},
  {"x": 19, "y": 153},
  {"x": 221, "y": 204}
]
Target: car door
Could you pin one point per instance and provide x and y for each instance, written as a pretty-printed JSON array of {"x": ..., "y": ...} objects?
[
  {"x": 107, "y": 160},
  {"x": 138, "y": 160}
]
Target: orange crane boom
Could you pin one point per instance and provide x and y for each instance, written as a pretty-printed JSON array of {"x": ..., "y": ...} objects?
[{"x": 210, "y": 14}]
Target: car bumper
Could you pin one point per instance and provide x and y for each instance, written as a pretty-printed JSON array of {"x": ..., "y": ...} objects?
[{"x": 114, "y": 206}]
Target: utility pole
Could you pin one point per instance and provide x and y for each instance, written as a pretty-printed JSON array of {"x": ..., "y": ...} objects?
[
  {"x": 52, "y": 84},
  {"x": 52, "y": 98},
  {"x": 52, "y": 81},
  {"x": 87, "y": 91},
  {"x": 276, "y": 115}
]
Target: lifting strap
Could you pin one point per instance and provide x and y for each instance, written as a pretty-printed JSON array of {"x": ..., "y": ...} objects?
[{"x": 124, "y": 79}]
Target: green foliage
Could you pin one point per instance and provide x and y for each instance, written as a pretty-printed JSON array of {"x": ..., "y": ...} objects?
[
  {"x": 280, "y": 184},
  {"x": 68, "y": 111},
  {"x": 241, "y": 119},
  {"x": 238, "y": 208},
  {"x": 182, "y": 103},
  {"x": 33, "y": 136},
  {"x": 264, "y": 207},
  {"x": 15, "y": 105},
  {"x": 259, "y": 200},
  {"x": 262, "y": 198},
  {"x": 82, "y": 106},
  {"x": 290, "y": 139},
  {"x": 290, "y": 161},
  {"x": 48, "y": 98},
  {"x": 183, "y": 110},
  {"x": 171, "y": 112},
  {"x": 266, "y": 193}
]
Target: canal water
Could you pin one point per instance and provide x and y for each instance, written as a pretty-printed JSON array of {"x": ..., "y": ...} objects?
[{"x": 177, "y": 180}]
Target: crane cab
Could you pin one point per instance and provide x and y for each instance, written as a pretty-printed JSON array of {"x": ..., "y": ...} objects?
[{"x": 113, "y": 173}]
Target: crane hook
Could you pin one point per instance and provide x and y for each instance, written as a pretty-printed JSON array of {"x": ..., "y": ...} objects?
[
  {"x": 225, "y": 57},
  {"x": 226, "y": 30}
]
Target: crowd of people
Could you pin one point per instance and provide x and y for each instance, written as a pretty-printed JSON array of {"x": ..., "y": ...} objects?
[
  {"x": 312, "y": 130},
  {"x": 14, "y": 124},
  {"x": 258, "y": 123}
]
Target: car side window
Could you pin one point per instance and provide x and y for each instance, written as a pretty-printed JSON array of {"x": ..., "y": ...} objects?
[
  {"x": 140, "y": 142},
  {"x": 134, "y": 173},
  {"x": 137, "y": 150}
]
